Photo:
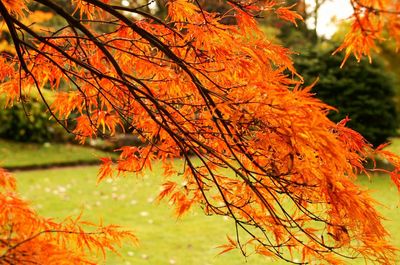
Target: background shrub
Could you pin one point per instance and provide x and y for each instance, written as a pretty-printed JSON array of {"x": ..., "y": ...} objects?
[
  {"x": 29, "y": 122},
  {"x": 361, "y": 90}
]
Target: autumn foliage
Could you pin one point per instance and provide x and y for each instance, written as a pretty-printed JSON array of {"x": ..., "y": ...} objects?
[
  {"x": 27, "y": 238},
  {"x": 257, "y": 146},
  {"x": 372, "y": 21}
]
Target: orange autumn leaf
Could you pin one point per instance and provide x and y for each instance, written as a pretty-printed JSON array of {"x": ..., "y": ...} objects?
[
  {"x": 231, "y": 245},
  {"x": 6, "y": 180},
  {"x": 16, "y": 7},
  {"x": 167, "y": 188},
  {"x": 105, "y": 170},
  {"x": 286, "y": 13}
]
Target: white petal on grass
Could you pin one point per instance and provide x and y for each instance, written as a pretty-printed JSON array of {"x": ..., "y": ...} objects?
[{"x": 144, "y": 213}]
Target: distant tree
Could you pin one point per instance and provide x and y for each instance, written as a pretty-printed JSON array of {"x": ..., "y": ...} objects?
[
  {"x": 258, "y": 147},
  {"x": 362, "y": 91}
]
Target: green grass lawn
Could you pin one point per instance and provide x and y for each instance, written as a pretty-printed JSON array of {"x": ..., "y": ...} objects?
[
  {"x": 394, "y": 145},
  {"x": 164, "y": 239},
  {"x": 13, "y": 154},
  {"x": 16, "y": 154}
]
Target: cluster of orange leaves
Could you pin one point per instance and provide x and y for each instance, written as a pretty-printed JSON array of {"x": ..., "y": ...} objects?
[
  {"x": 35, "y": 18},
  {"x": 256, "y": 146},
  {"x": 373, "y": 21},
  {"x": 16, "y": 7},
  {"x": 27, "y": 238}
]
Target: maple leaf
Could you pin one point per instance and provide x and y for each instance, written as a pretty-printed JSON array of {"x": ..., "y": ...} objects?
[
  {"x": 167, "y": 188},
  {"x": 105, "y": 170},
  {"x": 287, "y": 14},
  {"x": 6, "y": 180},
  {"x": 16, "y": 7},
  {"x": 229, "y": 246}
]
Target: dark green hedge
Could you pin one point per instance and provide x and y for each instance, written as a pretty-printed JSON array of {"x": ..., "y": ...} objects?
[{"x": 29, "y": 122}]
